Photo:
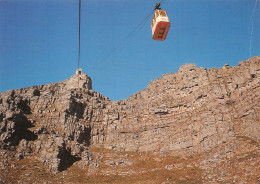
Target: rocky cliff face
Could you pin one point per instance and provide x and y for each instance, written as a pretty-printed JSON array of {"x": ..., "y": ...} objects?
[
  {"x": 53, "y": 122},
  {"x": 189, "y": 112},
  {"x": 195, "y": 109}
]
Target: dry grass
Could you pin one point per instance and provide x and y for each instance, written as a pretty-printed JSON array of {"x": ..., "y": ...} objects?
[{"x": 145, "y": 168}]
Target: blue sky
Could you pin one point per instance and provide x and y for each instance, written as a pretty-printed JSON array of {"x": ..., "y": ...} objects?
[{"x": 39, "y": 40}]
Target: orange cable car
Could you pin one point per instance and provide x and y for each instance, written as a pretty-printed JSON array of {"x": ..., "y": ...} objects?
[{"x": 160, "y": 25}]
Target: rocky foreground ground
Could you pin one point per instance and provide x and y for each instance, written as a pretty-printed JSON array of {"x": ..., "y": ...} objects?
[{"x": 194, "y": 126}]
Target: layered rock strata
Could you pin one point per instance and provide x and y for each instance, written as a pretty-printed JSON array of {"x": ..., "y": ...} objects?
[{"x": 191, "y": 111}]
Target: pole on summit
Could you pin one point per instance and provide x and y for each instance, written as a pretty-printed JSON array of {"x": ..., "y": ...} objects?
[
  {"x": 78, "y": 70},
  {"x": 79, "y": 33}
]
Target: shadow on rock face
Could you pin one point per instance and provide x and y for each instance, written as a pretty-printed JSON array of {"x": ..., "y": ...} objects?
[
  {"x": 14, "y": 125},
  {"x": 16, "y": 129},
  {"x": 1, "y": 118},
  {"x": 23, "y": 105},
  {"x": 22, "y": 129},
  {"x": 85, "y": 136},
  {"x": 66, "y": 159},
  {"x": 76, "y": 108}
]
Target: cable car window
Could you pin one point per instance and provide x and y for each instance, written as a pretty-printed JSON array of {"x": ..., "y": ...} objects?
[
  {"x": 163, "y": 13},
  {"x": 156, "y": 14}
]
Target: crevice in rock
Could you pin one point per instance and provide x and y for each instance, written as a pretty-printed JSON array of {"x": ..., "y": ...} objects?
[
  {"x": 85, "y": 136},
  {"x": 36, "y": 92},
  {"x": 253, "y": 75},
  {"x": 1, "y": 117},
  {"x": 23, "y": 105},
  {"x": 20, "y": 130},
  {"x": 66, "y": 159},
  {"x": 76, "y": 108}
]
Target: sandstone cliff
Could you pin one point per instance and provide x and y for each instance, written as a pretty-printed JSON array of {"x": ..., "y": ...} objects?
[{"x": 191, "y": 112}]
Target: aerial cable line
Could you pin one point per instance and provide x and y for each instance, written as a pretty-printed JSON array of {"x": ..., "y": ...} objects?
[
  {"x": 252, "y": 30},
  {"x": 161, "y": 1},
  {"x": 128, "y": 36},
  {"x": 137, "y": 28},
  {"x": 79, "y": 33}
]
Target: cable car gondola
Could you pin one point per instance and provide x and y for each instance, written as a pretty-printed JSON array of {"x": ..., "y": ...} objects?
[{"x": 160, "y": 24}]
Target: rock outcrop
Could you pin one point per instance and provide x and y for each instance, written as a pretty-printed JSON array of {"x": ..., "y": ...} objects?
[
  {"x": 195, "y": 109},
  {"x": 192, "y": 111},
  {"x": 53, "y": 120}
]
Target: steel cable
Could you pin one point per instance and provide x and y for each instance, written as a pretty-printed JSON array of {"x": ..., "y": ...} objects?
[
  {"x": 252, "y": 30},
  {"x": 118, "y": 46},
  {"x": 79, "y": 40}
]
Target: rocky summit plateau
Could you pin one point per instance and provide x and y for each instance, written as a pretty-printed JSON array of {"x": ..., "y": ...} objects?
[{"x": 197, "y": 125}]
